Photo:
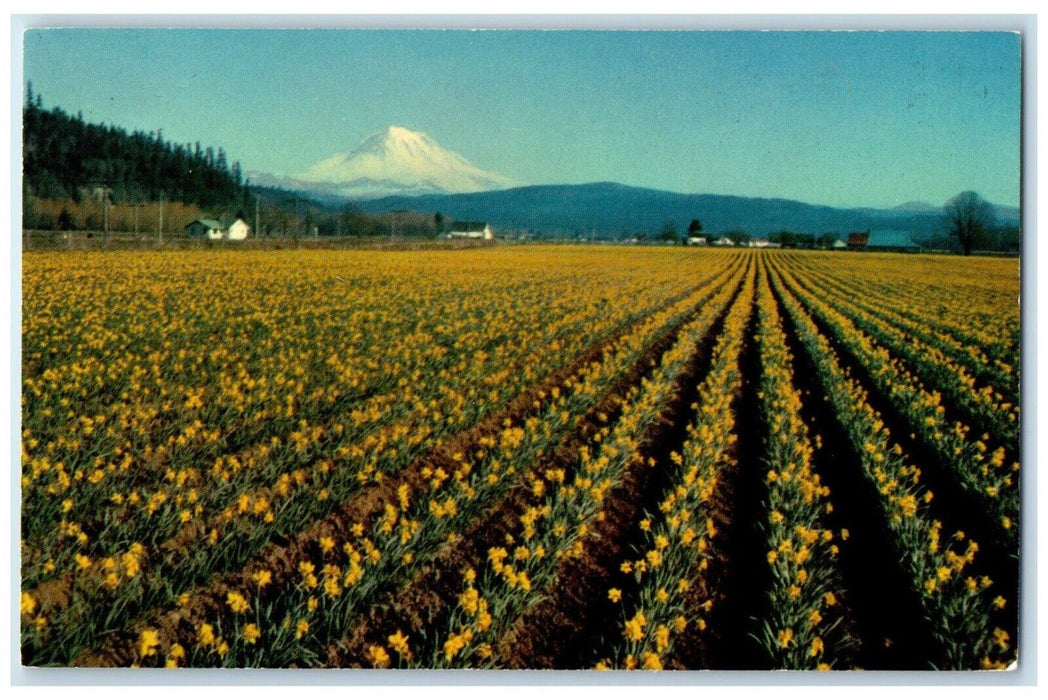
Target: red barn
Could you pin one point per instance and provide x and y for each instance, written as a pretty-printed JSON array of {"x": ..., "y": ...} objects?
[{"x": 858, "y": 240}]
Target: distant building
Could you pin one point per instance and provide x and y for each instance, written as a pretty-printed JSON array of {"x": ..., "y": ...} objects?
[
  {"x": 205, "y": 228},
  {"x": 858, "y": 240},
  {"x": 238, "y": 230},
  {"x": 891, "y": 240},
  {"x": 697, "y": 240},
  {"x": 764, "y": 243},
  {"x": 838, "y": 244},
  {"x": 471, "y": 229},
  {"x": 882, "y": 240},
  {"x": 725, "y": 241}
]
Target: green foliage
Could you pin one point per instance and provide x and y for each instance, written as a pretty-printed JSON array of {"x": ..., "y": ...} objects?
[
  {"x": 669, "y": 231},
  {"x": 63, "y": 156},
  {"x": 738, "y": 236},
  {"x": 826, "y": 240},
  {"x": 66, "y": 221}
]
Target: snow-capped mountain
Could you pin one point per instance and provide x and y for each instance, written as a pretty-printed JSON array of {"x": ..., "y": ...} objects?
[{"x": 397, "y": 161}]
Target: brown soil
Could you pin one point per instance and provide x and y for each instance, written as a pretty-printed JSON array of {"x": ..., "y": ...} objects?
[
  {"x": 885, "y": 611},
  {"x": 428, "y": 600},
  {"x": 570, "y": 627},
  {"x": 278, "y": 558},
  {"x": 738, "y": 573},
  {"x": 956, "y": 507}
]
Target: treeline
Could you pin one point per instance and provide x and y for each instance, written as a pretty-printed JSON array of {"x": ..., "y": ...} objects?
[
  {"x": 92, "y": 215},
  {"x": 65, "y": 157},
  {"x": 1002, "y": 239},
  {"x": 284, "y": 214}
]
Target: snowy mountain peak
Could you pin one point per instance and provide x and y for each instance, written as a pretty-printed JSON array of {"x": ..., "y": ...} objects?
[
  {"x": 398, "y": 161},
  {"x": 393, "y": 138}
]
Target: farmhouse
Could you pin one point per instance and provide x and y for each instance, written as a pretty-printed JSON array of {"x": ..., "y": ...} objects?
[
  {"x": 238, "y": 230},
  {"x": 471, "y": 229},
  {"x": 205, "y": 227}
]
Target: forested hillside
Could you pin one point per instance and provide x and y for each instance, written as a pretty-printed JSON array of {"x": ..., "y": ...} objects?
[{"x": 66, "y": 158}]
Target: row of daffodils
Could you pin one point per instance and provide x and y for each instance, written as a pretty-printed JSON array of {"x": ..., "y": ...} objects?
[
  {"x": 235, "y": 458},
  {"x": 957, "y": 601}
]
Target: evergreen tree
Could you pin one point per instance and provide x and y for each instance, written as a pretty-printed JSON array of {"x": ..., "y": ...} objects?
[{"x": 62, "y": 155}]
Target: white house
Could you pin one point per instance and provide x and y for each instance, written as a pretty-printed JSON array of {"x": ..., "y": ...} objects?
[
  {"x": 216, "y": 230},
  {"x": 471, "y": 229},
  {"x": 724, "y": 240},
  {"x": 697, "y": 240},
  {"x": 238, "y": 230}
]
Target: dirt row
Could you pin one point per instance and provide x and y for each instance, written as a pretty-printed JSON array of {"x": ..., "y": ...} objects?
[
  {"x": 570, "y": 629},
  {"x": 954, "y": 411},
  {"x": 280, "y": 556},
  {"x": 547, "y": 636},
  {"x": 738, "y": 575},
  {"x": 984, "y": 373},
  {"x": 965, "y": 510},
  {"x": 886, "y": 611},
  {"x": 574, "y": 621}
]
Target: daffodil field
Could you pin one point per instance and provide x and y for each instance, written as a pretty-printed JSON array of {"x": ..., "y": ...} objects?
[{"x": 520, "y": 458}]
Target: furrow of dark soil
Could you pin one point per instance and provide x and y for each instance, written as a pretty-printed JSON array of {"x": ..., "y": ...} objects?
[
  {"x": 984, "y": 374},
  {"x": 885, "y": 610},
  {"x": 426, "y": 602},
  {"x": 738, "y": 574},
  {"x": 578, "y": 622},
  {"x": 284, "y": 550},
  {"x": 957, "y": 508},
  {"x": 954, "y": 411},
  {"x": 960, "y": 508}
]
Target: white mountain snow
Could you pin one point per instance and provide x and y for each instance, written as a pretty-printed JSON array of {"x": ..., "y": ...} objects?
[{"x": 396, "y": 161}]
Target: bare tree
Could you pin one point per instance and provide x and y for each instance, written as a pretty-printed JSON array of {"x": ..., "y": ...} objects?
[{"x": 970, "y": 218}]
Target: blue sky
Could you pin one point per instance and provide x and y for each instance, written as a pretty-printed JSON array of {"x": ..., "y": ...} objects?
[{"x": 837, "y": 118}]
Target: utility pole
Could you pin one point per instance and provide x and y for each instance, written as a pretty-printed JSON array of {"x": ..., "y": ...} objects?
[
  {"x": 258, "y": 231},
  {"x": 105, "y": 210}
]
